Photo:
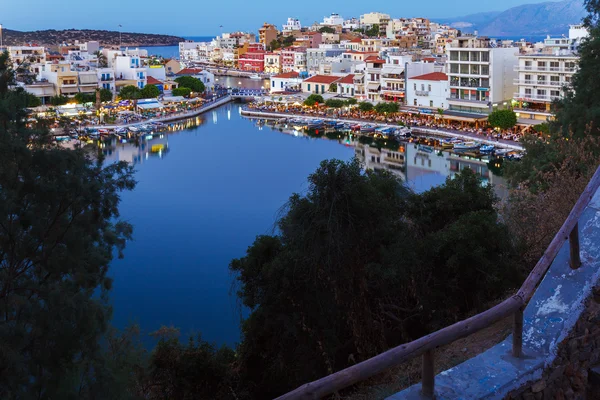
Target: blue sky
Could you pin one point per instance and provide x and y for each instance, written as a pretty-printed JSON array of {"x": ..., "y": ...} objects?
[{"x": 203, "y": 17}]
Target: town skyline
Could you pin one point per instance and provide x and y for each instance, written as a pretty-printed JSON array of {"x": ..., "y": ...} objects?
[{"x": 186, "y": 25}]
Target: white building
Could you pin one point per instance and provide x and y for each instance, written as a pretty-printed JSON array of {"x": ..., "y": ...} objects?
[
  {"x": 293, "y": 24},
  {"x": 393, "y": 76},
  {"x": 333, "y": 19},
  {"x": 129, "y": 71},
  {"x": 289, "y": 81},
  {"x": 374, "y": 18},
  {"x": 481, "y": 76},
  {"x": 350, "y": 24},
  {"x": 429, "y": 91},
  {"x": 199, "y": 52}
]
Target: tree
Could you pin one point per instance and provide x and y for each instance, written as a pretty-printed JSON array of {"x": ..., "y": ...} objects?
[
  {"x": 274, "y": 45},
  {"x": 351, "y": 101},
  {"x": 373, "y": 31},
  {"x": 33, "y": 100},
  {"x": 333, "y": 87},
  {"x": 365, "y": 106},
  {"x": 314, "y": 99},
  {"x": 326, "y": 29},
  {"x": 102, "y": 61},
  {"x": 82, "y": 98},
  {"x": 352, "y": 269},
  {"x": 579, "y": 111},
  {"x": 335, "y": 103},
  {"x": 59, "y": 229},
  {"x": 382, "y": 108},
  {"x": 59, "y": 100},
  {"x": 182, "y": 91},
  {"x": 194, "y": 84},
  {"x": 150, "y": 92},
  {"x": 105, "y": 95},
  {"x": 288, "y": 41},
  {"x": 542, "y": 128},
  {"x": 502, "y": 119},
  {"x": 130, "y": 92}
]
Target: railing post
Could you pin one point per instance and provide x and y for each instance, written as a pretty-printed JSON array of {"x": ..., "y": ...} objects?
[
  {"x": 575, "y": 260},
  {"x": 517, "y": 345},
  {"x": 428, "y": 375}
]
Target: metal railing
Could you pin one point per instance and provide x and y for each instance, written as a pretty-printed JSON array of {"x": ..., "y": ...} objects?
[
  {"x": 544, "y": 69},
  {"x": 425, "y": 346}
]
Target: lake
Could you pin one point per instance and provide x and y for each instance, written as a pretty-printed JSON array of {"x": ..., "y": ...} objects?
[{"x": 204, "y": 194}]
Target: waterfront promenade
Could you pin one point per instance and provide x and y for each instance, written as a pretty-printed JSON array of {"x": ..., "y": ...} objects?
[
  {"x": 507, "y": 144},
  {"x": 176, "y": 116}
]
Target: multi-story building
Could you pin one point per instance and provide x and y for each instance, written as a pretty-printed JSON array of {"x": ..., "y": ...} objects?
[
  {"x": 374, "y": 18},
  {"x": 233, "y": 40},
  {"x": 129, "y": 71},
  {"x": 273, "y": 63},
  {"x": 267, "y": 33},
  {"x": 429, "y": 90},
  {"x": 373, "y": 77},
  {"x": 316, "y": 57},
  {"x": 253, "y": 59},
  {"x": 26, "y": 61},
  {"x": 393, "y": 77},
  {"x": 66, "y": 82},
  {"x": 350, "y": 24},
  {"x": 481, "y": 76},
  {"x": 288, "y": 81},
  {"x": 199, "y": 52},
  {"x": 106, "y": 78},
  {"x": 345, "y": 86},
  {"x": 292, "y": 24},
  {"x": 290, "y": 56},
  {"x": 333, "y": 19}
]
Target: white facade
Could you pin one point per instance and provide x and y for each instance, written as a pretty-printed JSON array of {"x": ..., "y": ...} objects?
[
  {"x": 293, "y": 24},
  {"x": 333, "y": 19},
  {"x": 374, "y": 18},
  {"x": 285, "y": 82},
  {"x": 351, "y": 23},
  {"x": 196, "y": 51},
  {"x": 130, "y": 68},
  {"x": 481, "y": 77},
  {"x": 428, "y": 91}
]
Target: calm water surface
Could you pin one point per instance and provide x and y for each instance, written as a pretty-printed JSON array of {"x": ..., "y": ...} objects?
[{"x": 203, "y": 195}]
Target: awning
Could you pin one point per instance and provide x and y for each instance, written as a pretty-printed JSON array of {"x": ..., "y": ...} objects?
[
  {"x": 173, "y": 99},
  {"x": 69, "y": 90},
  {"x": 87, "y": 79},
  {"x": 149, "y": 106},
  {"x": 373, "y": 86}
]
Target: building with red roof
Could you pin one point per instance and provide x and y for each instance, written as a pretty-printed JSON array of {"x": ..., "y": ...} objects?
[
  {"x": 428, "y": 91},
  {"x": 345, "y": 86},
  {"x": 319, "y": 84},
  {"x": 286, "y": 82}
]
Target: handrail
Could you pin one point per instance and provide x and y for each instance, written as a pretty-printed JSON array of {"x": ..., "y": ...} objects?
[{"x": 425, "y": 345}]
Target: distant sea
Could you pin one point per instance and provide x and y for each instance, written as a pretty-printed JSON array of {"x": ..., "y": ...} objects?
[{"x": 173, "y": 51}]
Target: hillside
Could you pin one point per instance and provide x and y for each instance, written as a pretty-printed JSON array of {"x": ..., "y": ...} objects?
[
  {"x": 106, "y": 38},
  {"x": 551, "y": 18}
]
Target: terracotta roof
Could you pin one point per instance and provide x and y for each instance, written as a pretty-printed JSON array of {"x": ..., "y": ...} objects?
[
  {"x": 347, "y": 79},
  {"x": 328, "y": 79},
  {"x": 150, "y": 80},
  {"x": 292, "y": 74},
  {"x": 374, "y": 59},
  {"x": 356, "y": 40},
  {"x": 189, "y": 71},
  {"x": 434, "y": 76},
  {"x": 429, "y": 59}
]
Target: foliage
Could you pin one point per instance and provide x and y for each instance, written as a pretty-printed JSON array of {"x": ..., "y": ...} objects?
[
  {"x": 373, "y": 31},
  {"x": 33, "y": 100},
  {"x": 150, "y": 92},
  {"x": 182, "y": 91},
  {"x": 194, "y": 84},
  {"x": 351, "y": 101},
  {"x": 314, "y": 99},
  {"x": 59, "y": 229},
  {"x": 362, "y": 264},
  {"x": 326, "y": 29},
  {"x": 130, "y": 92},
  {"x": 335, "y": 103},
  {"x": 288, "y": 41},
  {"x": 82, "y": 98},
  {"x": 579, "y": 111},
  {"x": 102, "y": 61},
  {"x": 502, "y": 119},
  {"x": 274, "y": 45},
  {"x": 440, "y": 112},
  {"x": 382, "y": 108},
  {"x": 365, "y": 106},
  {"x": 105, "y": 95},
  {"x": 59, "y": 100},
  {"x": 333, "y": 87},
  {"x": 542, "y": 128}
]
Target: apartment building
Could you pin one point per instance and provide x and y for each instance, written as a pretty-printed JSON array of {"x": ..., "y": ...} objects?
[
  {"x": 393, "y": 77},
  {"x": 481, "y": 76},
  {"x": 267, "y": 33},
  {"x": 373, "y": 72},
  {"x": 273, "y": 63},
  {"x": 292, "y": 24},
  {"x": 65, "y": 81},
  {"x": 316, "y": 57},
  {"x": 428, "y": 90}
]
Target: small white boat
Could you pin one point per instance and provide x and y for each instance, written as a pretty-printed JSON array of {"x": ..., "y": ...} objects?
[
  {"x": 464, "y": 146},
  {"x": 255, "y": 77}
]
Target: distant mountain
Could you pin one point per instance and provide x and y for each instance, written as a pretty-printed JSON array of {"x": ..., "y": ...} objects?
[
  {"x": 551, "y": 18},
  {"x": 106, "y": 38}
]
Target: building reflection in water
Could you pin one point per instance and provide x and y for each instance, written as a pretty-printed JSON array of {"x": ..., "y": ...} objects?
[{"x": 420, "y": 166}]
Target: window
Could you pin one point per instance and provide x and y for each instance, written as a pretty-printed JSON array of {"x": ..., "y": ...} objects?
[
  {"x": 415, "y": 86},
  {"x": 308, "y": 87},
  {"x": 541, "y": 65},
  {"x": 415, "y": 102},
  {"x": 541, "y": 92},
  {"x": 429, "y": 88},
  {"x": 527, "y": 77},
  {"x": 430, "y": 103},
  {"x": 422, "y": 87},
  {"x": 541, "y": 78},
  {"x": 528, "y": 63},
  {"x": 528, "y": 91},
  {"x": 554, "y": 93}
]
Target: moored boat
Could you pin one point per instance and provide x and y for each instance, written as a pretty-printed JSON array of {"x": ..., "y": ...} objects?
[
  {"x": 465, "y": 146},
  {"x": 487, "y": 148}
]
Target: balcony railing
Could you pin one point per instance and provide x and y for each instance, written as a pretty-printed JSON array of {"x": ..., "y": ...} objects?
[
  {"x": 470, "y": 84},
  {"x": 468, "y": 99},
  {"x": 540, "y": 83},
  {"x": 422, "y": 92},
  {"x": 544, "y": 69},
  {"x": 534, "y": 97},
  {"x": 426, "y": 346}
]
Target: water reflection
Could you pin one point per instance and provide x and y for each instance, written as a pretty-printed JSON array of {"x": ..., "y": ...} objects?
[{"x": 417, "y": 161}]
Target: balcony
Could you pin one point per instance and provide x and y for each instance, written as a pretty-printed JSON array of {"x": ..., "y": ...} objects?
[
  {"x": 422, "y": 92},
  {"x": 468, "y": 100},
  {"x": 536, "y": 68},
  {"x": 535, "y": 97},
  {"x": 470, "y": 84},
  {"x": 541, "y": 83}
]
